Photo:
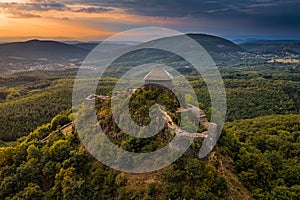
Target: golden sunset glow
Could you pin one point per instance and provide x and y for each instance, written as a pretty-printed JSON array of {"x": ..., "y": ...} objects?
[
  {"x": 47, "y": 24},
  {"x": 24, "y": 19},
  {"x": 14, "y": 1},
  {"x": 95, "y": 20},
  {"x": 47, "y": 28}
]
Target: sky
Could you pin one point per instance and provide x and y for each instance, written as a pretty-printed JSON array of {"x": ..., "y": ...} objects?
[{"x": 90, "y": 20}]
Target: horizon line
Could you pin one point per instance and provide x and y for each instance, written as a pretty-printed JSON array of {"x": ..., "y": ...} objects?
[{"x": 232, "y": 38}]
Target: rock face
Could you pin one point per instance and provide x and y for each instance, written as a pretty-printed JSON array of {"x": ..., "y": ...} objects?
[
  {"x": 203, "y": 121},
  {"x": 198, "y": 112},
  {"x": 209, "y": 135}
]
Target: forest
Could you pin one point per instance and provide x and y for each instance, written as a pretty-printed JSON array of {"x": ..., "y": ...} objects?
[
  {"x": 255, "y": 159},
  {"x": 250, "y": 93},
  {"x": 257, "y": 156}
]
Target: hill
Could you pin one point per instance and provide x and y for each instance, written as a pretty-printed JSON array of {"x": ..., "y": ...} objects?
[
  {"x": 53, "y": 55},
  {"x": 59, "y": 51},
  {"x": 272, "y": 46},
  {"x": 109, "y": 45},
  {"x": 216, "y": 44},
  {"x": 223, "y": 52},
  {"x": 254, "y": 159},
  {"x": 37, "y": 49}
]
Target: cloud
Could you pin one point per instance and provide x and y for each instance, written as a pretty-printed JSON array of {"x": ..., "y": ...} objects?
[
  {"x": 248, "y": 16},
  {"x": 28, "y": 9},
  {"x": 258, "y": 15},
  {"x": 174, "y": 8},
  {"x": 91, "y": 9},
  {"x": 221, "y": 10},
  {"x": 17, "y": 14}
]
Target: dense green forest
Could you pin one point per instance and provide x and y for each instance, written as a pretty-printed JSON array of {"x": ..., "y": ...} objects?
[
  {"x": 265, "y": 152},
  {"x": 34, "y": 101},
  {"x": 250, "y": 93},
  {"x": 255, "y": 159}
]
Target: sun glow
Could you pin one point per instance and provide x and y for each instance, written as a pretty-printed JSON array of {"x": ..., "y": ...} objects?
[
  {"x": 24, "y": 19},
  {"x": 14, "y": 1}
]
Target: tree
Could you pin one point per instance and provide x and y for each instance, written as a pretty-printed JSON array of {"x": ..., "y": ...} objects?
[
  {"x": 33, "y": 152},
  {"x": 59, "y": 120},
  {"x": 31, "y": 192}
]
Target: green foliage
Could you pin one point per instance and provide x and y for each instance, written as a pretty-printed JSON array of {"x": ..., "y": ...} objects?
[
  {"x": 265, "y": 150},
  {"x": 62, "y": 169},
  {"x": 266, "y": 153},
  {"x": 20, "y": 117},
  {"x": 140, "y": 115},
  {"x": 252, "y": 91},
  {"x": 59, "y": 120},
  {"x": 191, "y": 178},
  {"x": 58, "y": 169},
  {"x": 121, "y": 179},
  {"x": 32, "y": 192}
]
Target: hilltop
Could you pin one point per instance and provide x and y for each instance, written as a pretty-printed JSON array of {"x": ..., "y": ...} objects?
[
  {"x": 216, "y": 44},
  {"x": 242, "y": 166},
  {"x": 37, "y": 49}
]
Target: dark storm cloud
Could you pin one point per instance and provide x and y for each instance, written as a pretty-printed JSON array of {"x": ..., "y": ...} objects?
[
  {"x": 219, "y": 16},
  {"x": 249, "y": 14},
  {"x": 182, "y": 8}
]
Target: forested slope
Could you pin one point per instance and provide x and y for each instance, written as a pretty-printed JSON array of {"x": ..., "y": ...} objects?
[
  {"x": 32, "y": 99},
  {"x": 254, "y": 159},
  {"x": 266, "y": 152}
]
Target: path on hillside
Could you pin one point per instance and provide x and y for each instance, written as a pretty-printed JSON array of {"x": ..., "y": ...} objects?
[
  {"x": 64, "y": 129},
  {"x": 174, "y": 127}
]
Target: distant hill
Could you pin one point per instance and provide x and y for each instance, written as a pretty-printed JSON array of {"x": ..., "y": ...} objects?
[
  {"x": 216, "y": 44},
  {"x": 86, "y": 45},
  {"x": 108, "y": 45},
  {"x": 36, "y": 49},
  {"x": 223, "y": 52},
  {"x": 272, "y": 46},
  {"x": 36, "y": 54},
  {"x": 212, "y": 44}
]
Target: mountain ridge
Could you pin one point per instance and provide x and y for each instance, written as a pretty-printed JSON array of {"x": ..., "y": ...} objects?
[{"x": 35, "y": 49}]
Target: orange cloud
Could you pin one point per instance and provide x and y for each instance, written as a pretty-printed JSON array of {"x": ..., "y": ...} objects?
[
  {"x": 80, "y": 22},
  {"x": 47, "y": 28}
]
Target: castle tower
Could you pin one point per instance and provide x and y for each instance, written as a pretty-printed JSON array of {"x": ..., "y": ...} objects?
[{"x": 159, "y": 76}]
